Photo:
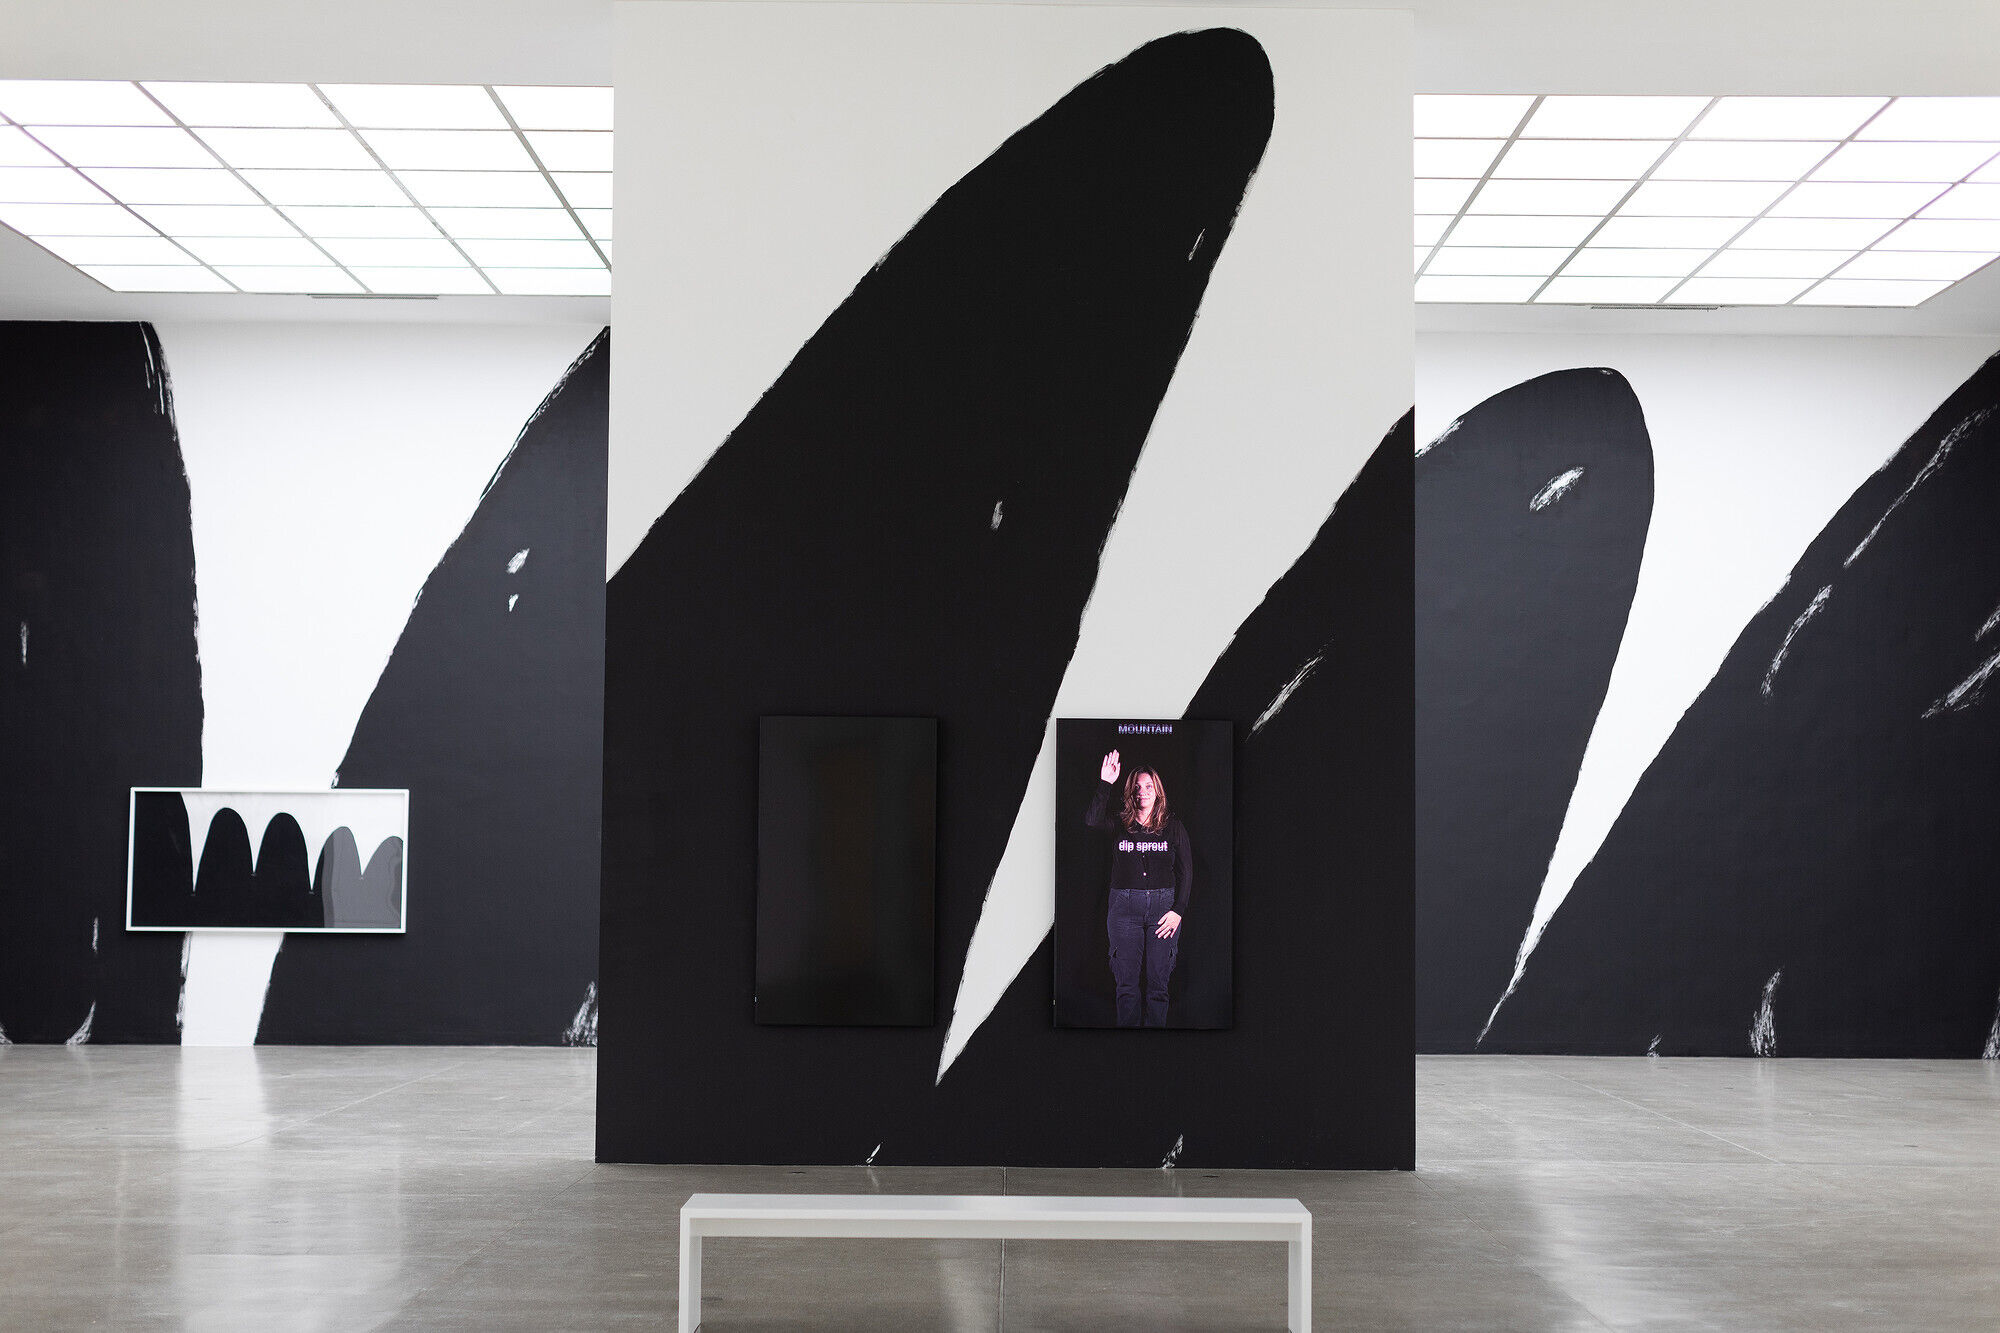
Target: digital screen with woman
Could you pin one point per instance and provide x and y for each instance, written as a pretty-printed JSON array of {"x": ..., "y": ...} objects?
[{"x": 1143, "y": 884}]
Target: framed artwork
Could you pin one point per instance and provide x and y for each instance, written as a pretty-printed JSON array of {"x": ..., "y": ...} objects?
[{"x": 334, "y": 860}]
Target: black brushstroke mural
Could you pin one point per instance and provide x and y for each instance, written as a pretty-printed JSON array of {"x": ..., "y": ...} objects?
[
  {"x": 1317, "y": 1071},
  {"x": 489, "y": 712},
  {"x": 1807, "y": 868},
  {"x": 100, "y": 685},
  {"x": 840, "y": 554},
  {"x": 1532, "y": 511}
]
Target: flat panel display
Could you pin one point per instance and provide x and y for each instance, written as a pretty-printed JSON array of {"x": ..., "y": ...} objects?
[{"x": 847, "y": 871}]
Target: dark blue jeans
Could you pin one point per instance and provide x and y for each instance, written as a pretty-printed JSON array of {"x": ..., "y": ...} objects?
[{"x": 1137, "y": 956}]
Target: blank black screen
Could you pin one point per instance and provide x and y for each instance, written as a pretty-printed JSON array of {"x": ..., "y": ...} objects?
[{"x": 847, "y": 870}]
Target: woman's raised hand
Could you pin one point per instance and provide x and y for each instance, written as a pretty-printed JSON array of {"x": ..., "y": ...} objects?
[{"x": 1109, "y": 771}]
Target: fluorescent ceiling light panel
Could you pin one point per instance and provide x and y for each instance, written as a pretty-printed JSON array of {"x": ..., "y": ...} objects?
[
  {"x": 548, "y": 224},
  {"x": 77, "y": 102},
  {"x": 1478, "y": 116},
  {"x": 1502, "y": 291},
  {"x": 1965, "y": 201},
  {"x": 18, "y": 150},
  {"x": 488, "y": 189},
  {"x": 214, "y": 220},
  {"x": 1577, "y": 197},
  {"x": 1811, "y": 233},
  {"x": 271, "y": 105},
  {"x": 571, "y": 150},
  {"x": 1498, "y": 261},
  {"x": 1734, "y": 263},
  {"x": 1738, "y": 291},
  {"x": 288, "y": 250},
  {"x": 1579, "y": 159},
  {"x": 84, "y": 250},
  {"x": 172, "y": 185},
  {"x": 1941, "y": 162},
  {"x": 1944, "y": 234},
  {"x": 533, "y": 254},
  {"x": 124, "y": 146},
  {"x": 1843, "y": 291},
  {"x": 1612, "y": 117},
  {"x": 597, "y": 221},
  {"x": 73, "y": 220},
  {"x": 1919, "y": 118},
  {"x": 585, "y": 189},
  {"x": 1697, "y": 199},
  {"x": 1667, "y": 233},
  {"x": 1429, "y": 230},
  {"x": 162, "y": 278},
  {"x": 47, "y": 185},
  {"x": 460, "y": 281},
  {"x": 1502, "y": 229},
  {"x": 1830, "y": 199},
  {"x": 1595, "y": 261},
  {"x": 1717, "y": 161},
  {"x": 1919, "y": 265},
  {"x": 449, "y": 150},
  {"x": 1786, "y": 117},
  {"x": 328, "y": 187},
  {"x": 1603, "y": 291},
  {"x": 553, "y": 108},
  {"x": 415, "y": 106},
  {"x": 1455, "y": 157},
  {"x": 288, "y": 148},
  {"x": 551, "y": 281},
  {"x": 301, "y": 279},
  {"x": 379, "y": 253},
  {"x": 1442, "y": 196},
  {"x": 341, "y": 221}
]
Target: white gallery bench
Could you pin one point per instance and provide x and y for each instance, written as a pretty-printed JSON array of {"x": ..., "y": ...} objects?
[{"x": 997, "y": 1216}]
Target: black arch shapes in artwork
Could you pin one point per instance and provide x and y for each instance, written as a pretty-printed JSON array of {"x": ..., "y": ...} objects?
[
  {"x": 1317, "y": 1069},
  {"x": 225, "y": 879},
  {"x": 162, "y": 861},
  {"x": 380, "y": 900},
  {"x": 100, "y": 685},
  {"x": 837, "y": 556},
  {"x": 1822, "y": 818},
  {"x": 337, "y": 879},
  {"x": 489, "y": 711},
  {"x": 1532, "y": 512},
  {"x": 281, "y": 890}
]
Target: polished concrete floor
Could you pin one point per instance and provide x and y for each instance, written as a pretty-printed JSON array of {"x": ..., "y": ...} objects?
[{"x": 355, "y": 1189}]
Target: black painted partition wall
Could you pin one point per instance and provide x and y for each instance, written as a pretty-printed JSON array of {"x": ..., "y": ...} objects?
[
  {"x": 838, "y": 555},
  {"x": 100, "y": 685}
]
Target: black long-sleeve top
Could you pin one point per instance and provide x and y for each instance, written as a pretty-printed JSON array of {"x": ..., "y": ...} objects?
[{"x": 1142, "y": 858}]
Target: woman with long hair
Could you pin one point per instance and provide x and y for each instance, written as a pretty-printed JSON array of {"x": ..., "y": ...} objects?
[{"x": 1152, "y": 878}]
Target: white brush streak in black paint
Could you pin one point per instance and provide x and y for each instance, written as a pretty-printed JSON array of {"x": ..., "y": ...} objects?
[{"x": 1778, "y": 658}]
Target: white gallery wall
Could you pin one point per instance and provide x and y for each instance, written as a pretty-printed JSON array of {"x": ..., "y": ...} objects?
[
  {"x": 329, "y": 467},
  {"x": 1757, "y": 441}
]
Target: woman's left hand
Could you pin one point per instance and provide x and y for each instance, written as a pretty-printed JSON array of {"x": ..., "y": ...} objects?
[{"x": 1170, "y": 925}]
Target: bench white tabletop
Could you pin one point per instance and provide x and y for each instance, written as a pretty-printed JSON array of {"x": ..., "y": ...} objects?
[{"x": 947, "y": 1208}]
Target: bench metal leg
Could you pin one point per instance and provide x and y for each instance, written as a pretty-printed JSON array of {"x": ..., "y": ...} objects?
[
  {"x": 690, "y": 1278},
  {"x": 1299, "y": 1282}
]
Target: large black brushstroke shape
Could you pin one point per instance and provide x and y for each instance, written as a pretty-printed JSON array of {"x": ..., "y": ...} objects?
[
  {"x": 1317, "y": 1071},
  {"x": 908, "y": 523},
  {"x": 1824, "y": 814},
  {"x": 100, "y": 685},
  {"x": 162, "y": 860},
  {"x": 1526, "y": 568},
  {"x": 489, "y": 711}
]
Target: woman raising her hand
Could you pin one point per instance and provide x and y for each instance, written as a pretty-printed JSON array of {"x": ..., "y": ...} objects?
[{"x": 1152, "y": 878}]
